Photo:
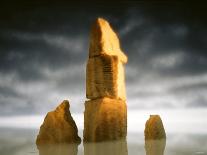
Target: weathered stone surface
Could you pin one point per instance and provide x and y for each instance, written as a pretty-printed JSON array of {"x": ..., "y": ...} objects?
[
  {"x": 155, "y": 137},
  {"x": 105, "y": 116},
  {"x": 104, "y": 41},
  {"x": 58, "y": 127},
  {"x": 154, "y": 128},
  {"x": 105, "y": 78},
  {"x": 105, "y": 119}
]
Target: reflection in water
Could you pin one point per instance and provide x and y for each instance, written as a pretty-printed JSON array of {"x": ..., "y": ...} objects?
[
  {"x": 155, "y": 147},
  {"x": 98, "y": 148},
  {"x": 106, "y": 148},
  {"x": 152, "y": 147},
  {"x": 59, "y": 149}
]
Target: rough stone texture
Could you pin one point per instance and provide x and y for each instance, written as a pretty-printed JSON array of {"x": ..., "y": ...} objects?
[
  {"x": 105, "y": 116},
  {"x": 105, "y": 78},
  {"x": 105, "y": 119},
  {"x": 105, "y": 71},
  {"x": 104, "y": 41},
  {"x": 154, "y": 128},
  {"x": 155, "y": 137},
  {"x": 58, "y": 127}
]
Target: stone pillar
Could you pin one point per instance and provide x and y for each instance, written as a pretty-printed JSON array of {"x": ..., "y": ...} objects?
[{"x": 105, "y": 116}]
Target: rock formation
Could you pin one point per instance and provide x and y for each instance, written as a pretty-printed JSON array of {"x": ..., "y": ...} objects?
[
  {"x": 105, "y": 71},
  {"x": 154, "y": 128},
  {"x": 155, "y": 137},
  {"x": 58, "y": 127},
  {"x": 105, "y": 116}
]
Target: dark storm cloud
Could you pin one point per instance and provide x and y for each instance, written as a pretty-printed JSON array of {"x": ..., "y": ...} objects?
[
  {"x": 43, "y": 53},
  {"x": 147, "y": 39},
  {"x": 30, "y": 51}
]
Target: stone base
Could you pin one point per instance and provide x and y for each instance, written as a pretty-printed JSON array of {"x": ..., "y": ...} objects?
[{"x": 105, "y": 119}]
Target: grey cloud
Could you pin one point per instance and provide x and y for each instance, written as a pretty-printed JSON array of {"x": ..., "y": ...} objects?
[
  {"x": 146, "y": 40},
  {"x": 43, "y": 54},
  {"x": 30, "y": 52},
  {"x": 200, "y": 101},
  {"x": 23, "y": 97}
]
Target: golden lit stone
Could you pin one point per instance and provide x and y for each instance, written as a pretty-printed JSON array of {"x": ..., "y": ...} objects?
[
  {"x": 105, "y": 119},
  {"x": 154, "y": 128},
  {"x": 58, "y": 127},
  {"x": 155, "y": 137},
  {"x": 104, "y": 41},
  {"x": 105, "y": 116},
  {"x": 105, "y": 78}
]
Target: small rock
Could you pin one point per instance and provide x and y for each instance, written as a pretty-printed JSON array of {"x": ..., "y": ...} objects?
[
  {"x": 154, "y": 128},
  {"x": 58, "y": 127},
  {"x": 155, "y": 137}
]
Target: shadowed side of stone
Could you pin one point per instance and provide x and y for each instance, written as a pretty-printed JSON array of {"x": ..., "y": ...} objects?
[
  {"x": 58, "y": 127},
  {"x": 155, "y": 137}
]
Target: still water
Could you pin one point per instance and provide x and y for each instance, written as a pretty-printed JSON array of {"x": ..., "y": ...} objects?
[
  {"x": 22, "y": 142},
  {"x": 186, "y": 132}
]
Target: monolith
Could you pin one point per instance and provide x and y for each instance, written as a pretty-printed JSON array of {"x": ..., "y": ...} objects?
[{"x": 105, "y": 116}]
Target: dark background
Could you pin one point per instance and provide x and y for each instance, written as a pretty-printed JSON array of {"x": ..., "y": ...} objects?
[{"x": 44, "y": 50}]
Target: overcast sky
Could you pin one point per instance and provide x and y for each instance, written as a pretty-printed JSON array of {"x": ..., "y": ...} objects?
[{"x": 44, "y": 49}]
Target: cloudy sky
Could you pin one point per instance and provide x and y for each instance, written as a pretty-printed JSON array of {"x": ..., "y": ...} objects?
[{"x": 44, "y": 49}]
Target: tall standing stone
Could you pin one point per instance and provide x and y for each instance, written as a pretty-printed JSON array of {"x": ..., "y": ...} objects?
[{"x": 105, "y": 116}]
